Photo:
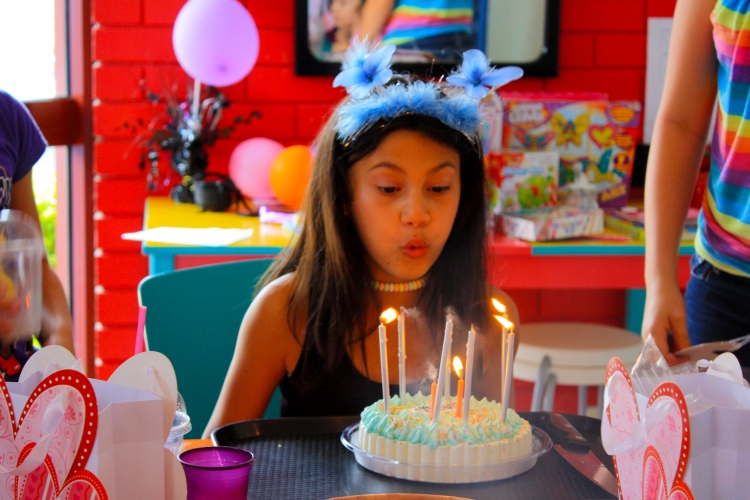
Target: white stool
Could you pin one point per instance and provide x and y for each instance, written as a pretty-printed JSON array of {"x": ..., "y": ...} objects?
[{"x": 571, "y": 354}]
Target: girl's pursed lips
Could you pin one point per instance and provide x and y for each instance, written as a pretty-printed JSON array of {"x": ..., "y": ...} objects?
[
  {"x": 415, "y": 243},
  {"x": 414, "y": 248}
]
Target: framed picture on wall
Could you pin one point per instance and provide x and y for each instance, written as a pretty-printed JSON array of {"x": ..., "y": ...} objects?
[{"x": 430, "y": 35}]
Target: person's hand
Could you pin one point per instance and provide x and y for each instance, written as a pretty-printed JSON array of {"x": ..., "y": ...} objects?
[
  {"x": 664, "y": 313},
  {"x": 9, "y": 308}
]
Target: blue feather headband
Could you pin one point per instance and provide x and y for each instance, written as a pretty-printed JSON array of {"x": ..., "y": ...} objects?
[{"x": 365, "y": 74}]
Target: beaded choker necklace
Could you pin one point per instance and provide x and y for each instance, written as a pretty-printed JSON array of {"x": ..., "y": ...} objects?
[{"x": 399, "y": 287}]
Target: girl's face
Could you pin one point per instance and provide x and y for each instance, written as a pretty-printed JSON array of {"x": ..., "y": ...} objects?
[
  {"x": 346, "y": 13},
  {"x": 405, "y": 197}
]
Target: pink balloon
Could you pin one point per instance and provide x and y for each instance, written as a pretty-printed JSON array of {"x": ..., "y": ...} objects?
[
  {"x": 250, "y": 164},
  {"x": 216, "y": 41}
]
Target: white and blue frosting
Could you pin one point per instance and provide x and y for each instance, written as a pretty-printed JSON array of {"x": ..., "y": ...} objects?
[{"x": 412, "y": 422}]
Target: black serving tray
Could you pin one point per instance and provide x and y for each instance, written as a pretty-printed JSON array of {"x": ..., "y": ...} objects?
[{"x": 303, "y": 458}]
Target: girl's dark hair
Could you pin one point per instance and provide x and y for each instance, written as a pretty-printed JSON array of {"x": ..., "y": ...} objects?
[{"x": 332, "y": 289}]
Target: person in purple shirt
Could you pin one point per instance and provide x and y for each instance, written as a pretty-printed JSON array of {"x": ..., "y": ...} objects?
[{"x": 21, "y": 146}]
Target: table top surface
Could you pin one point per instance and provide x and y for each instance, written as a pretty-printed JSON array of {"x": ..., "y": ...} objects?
[
  {"x": 304, "y": 458},
  {"x": 271, "y": 238},
  {"x": 162, "y": 211}
]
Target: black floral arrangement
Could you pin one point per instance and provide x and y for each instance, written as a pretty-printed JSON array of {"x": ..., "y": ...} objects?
[{"x": 182, "y": 131}]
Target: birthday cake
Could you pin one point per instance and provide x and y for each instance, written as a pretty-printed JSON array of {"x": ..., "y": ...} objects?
[{"x": 408, "y": 435}]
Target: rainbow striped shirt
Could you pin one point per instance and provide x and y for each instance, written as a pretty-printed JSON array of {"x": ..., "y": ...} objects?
[
  {"x": 418, "y": 19},
  {"x": 724, "y": 223}
]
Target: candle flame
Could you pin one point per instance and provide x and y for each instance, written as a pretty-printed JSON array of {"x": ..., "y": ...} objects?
[
  {"x": 499, "y": 306},
  {"x": 505, "y": 322},
  {"x": 458, "y": 366},
  {"x": 388, "y": 315}
]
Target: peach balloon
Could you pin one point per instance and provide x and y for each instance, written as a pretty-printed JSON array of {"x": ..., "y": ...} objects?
[{"x": 290, "y": 174}]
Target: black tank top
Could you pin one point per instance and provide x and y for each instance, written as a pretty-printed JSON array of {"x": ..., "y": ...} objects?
[{"x": 342, "y": 391}]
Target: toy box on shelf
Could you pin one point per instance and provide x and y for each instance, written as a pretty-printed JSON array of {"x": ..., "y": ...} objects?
[
  {"x": 631, "y": 221},
  {"x": 554, "y": 224},
  {"x": 520, "y": 182},
  {"x": 586, "y": 129}
]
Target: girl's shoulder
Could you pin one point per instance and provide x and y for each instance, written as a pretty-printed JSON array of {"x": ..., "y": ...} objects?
[
  {"x": 281, "y": 285},
  {"x": 271, "y": 308},
  {"x": 275, "y": 296}
]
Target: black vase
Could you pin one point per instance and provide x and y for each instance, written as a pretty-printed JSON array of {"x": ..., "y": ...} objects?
[
  {"x": 215, "y": 196},
  {"x": 182, "y": 192},
  {"x": 190, "y": 160}
]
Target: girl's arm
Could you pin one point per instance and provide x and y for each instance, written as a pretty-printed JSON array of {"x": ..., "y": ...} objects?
[
  {"x": 265, "y": 352},
  {"x": 57, "y": 327},
  {"x": 375, "y": 14},
  {"x": 674, "y": 158}
]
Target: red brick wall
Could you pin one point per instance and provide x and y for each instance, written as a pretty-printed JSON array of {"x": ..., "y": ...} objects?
[{"x": 602, "y": 48}]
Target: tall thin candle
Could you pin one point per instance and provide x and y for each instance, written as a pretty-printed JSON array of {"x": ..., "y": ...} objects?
[
  {"x": 448, "y": 367},
  {"x": 507, "y": 358},
  {"x": 402, "y": 357},
  {"x": 469, "y": 371},
  {"x": 386, "y": 317},
  {"x": 384, "y": 369},
  {"x": 433, "y": 395},
  {"x": 504, "y": 331},
  {"x": 442, "y": 374},
  {"x": 458, "y": 367},
  {"x": 508, "y": 373},
  {"x": 506, "y": 325}
]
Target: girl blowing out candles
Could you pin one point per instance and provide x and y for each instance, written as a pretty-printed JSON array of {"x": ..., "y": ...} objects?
[{"x": 395, "y": 216}]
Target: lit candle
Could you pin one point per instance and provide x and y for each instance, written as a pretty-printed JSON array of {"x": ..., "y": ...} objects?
[
  {"x": 402, "y": 357},
  {"x": 469, "y": 370},
  {"x": 443, "y": 373},
  {"x": 503, "y": 330},
  {"x": 508, "y": 342},
  {"x": 433, "y": 395},
  {"x": 508, "y": 373},
  {"x": 448, "y": 368},
  {"x": 506, "y": 326},
  {"x": 500, "y": 307},
  {"x": 460, "y": 391},
  {"x": 386, "y": 317}
]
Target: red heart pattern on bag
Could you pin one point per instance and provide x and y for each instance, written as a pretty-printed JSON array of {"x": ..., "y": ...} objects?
[
  {"x": 62, "y": 475},
  {"x": 656, "y": 470}
]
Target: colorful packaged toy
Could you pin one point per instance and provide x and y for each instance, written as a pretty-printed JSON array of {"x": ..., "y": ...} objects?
[
  {"x": 520, "y": 182},
  {"x": 586, "y": 129},
  {"x": 554, "y": 224}
]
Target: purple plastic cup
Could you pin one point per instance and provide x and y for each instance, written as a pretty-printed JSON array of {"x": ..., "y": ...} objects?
[{"x": 217, "y": 472}]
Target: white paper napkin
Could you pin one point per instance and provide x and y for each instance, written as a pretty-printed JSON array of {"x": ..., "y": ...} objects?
[{"x": 209, "y": 237}]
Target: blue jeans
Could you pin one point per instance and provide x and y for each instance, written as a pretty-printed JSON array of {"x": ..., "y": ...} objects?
[{"x": 718, "y": 306}]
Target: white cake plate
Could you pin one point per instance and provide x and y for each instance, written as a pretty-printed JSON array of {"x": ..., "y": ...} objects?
[{"x": 447, "y": 473}]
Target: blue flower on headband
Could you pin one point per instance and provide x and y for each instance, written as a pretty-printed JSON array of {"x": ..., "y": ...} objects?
[
  {"x": 363, "y": 71},
  {"x": 458, "y": 111},
  {"x": 476, "y": 74}
]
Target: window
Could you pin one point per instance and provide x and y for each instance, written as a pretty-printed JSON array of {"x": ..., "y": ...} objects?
[
  {"x": 45, "y": 60},
  {"x": 28, "y": 35}
]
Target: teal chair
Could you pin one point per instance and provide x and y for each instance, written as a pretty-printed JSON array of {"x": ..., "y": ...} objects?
[{"x": 193, "y": 319}]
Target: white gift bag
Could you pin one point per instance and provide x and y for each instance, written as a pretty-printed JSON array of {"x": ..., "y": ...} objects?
[
  {"x": 64, "y": 434},
  {"x": 694, "y": 430},
  {"x": 720, "y": 423}
]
